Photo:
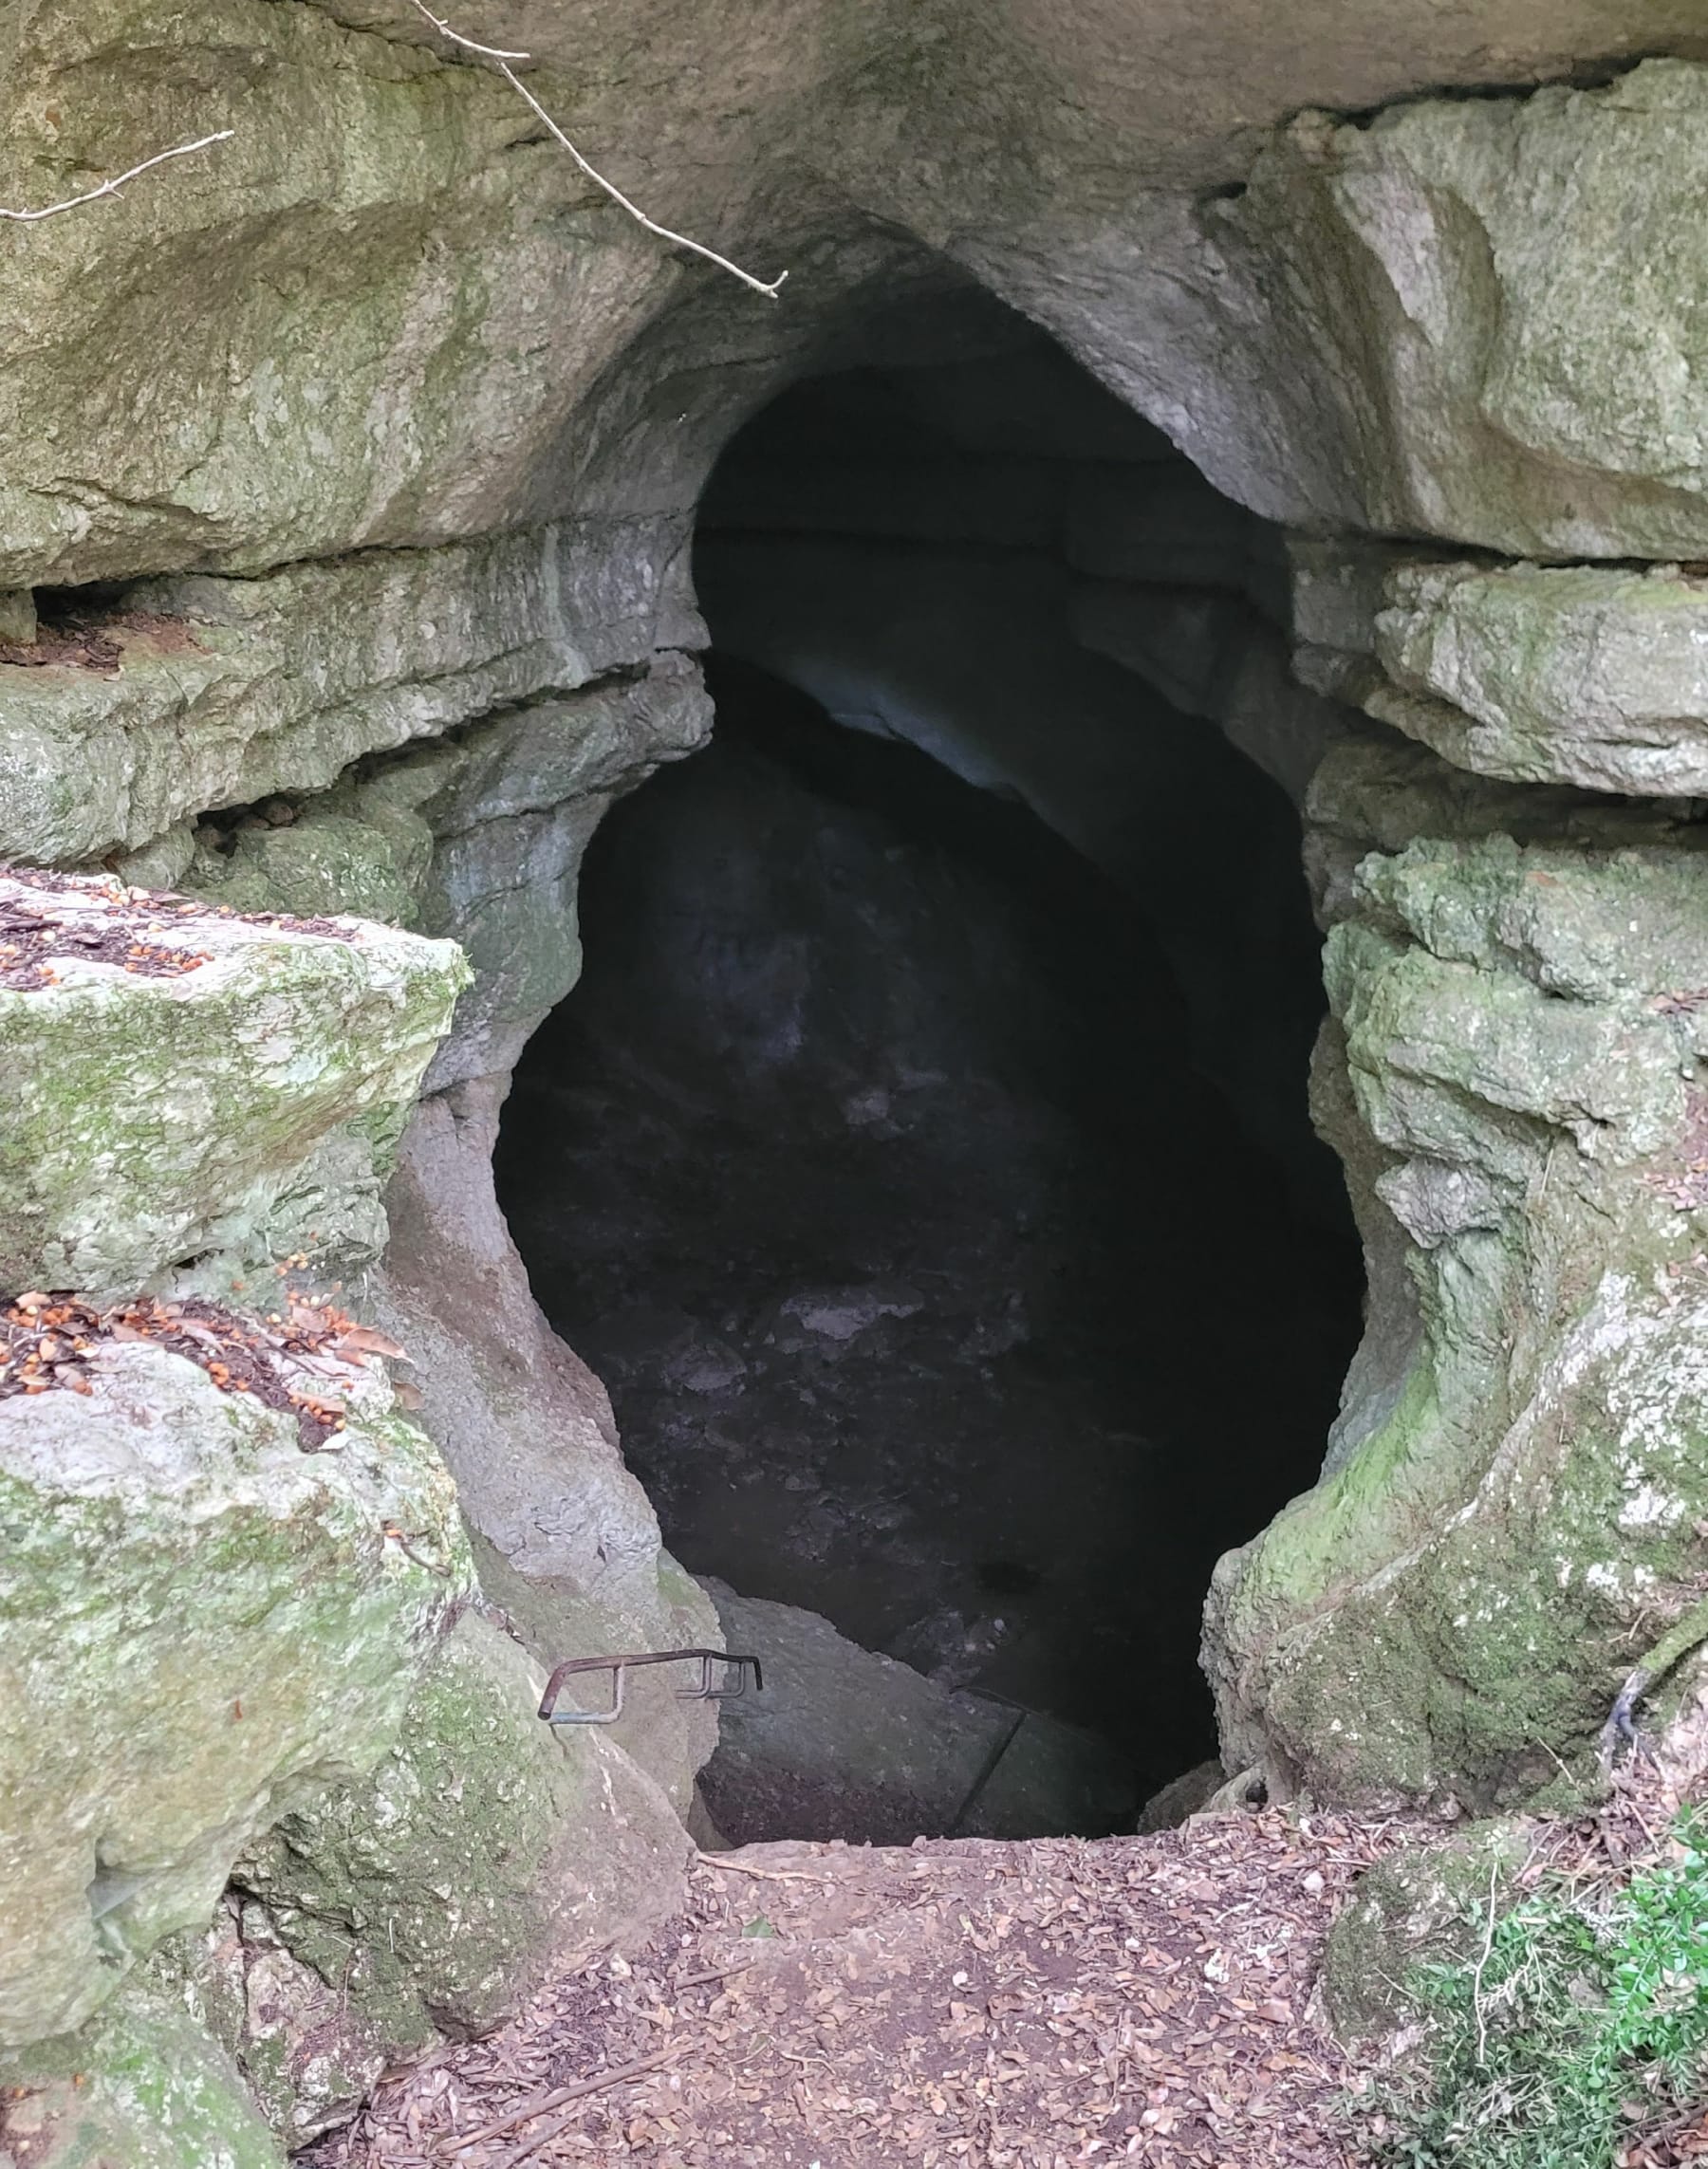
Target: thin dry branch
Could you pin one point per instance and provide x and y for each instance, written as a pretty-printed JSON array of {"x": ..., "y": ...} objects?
[
  {"x": 501, "y": 62},
  {"x": 118, "y": 182}
]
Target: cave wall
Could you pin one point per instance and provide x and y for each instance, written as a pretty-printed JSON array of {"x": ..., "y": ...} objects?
[{"x": 384, "y": 432}]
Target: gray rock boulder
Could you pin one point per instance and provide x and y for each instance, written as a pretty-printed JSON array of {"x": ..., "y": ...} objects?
[
  {"x": 156, "y": 1115},
  {"x": 847, "y": 1743},
  {"x": 198, "y": 1621}
]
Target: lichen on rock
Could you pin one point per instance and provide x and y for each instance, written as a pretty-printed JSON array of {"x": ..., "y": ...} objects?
[
  {"x": 153, "y": 1118},
  {"x": 1587, "y": 676},
  {"x": 1513, "y": 1078},
  {"x": 200, "y": 1619},
  {"x": 144, "y": 2086},
  {"x": 428, "y": 1898}
]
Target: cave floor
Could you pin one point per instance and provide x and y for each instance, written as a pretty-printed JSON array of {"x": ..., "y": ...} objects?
[
  {"x": 1038, "y": 2004},
  {"x": 851, "y": 1379}
]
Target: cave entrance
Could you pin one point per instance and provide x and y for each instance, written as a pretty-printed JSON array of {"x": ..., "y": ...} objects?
[{"x": 922, "y": 1160}]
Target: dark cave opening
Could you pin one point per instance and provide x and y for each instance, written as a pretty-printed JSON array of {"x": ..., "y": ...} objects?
[{"x": 922, "y": 1159}]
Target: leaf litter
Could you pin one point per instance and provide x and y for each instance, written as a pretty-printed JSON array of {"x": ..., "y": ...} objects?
[
  {"x": 957, "y": 2003},
  {"x": 48, "y": 1343}
]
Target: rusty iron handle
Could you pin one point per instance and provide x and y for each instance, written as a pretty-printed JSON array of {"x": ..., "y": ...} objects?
[{"x": 619, "y": 1668}]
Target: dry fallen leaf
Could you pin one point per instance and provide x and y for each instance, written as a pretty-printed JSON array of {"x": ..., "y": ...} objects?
[{"x": 365, "y": 1340}]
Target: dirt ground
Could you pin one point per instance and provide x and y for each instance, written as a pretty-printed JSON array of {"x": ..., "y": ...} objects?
[{"x": 956, "y": 2002}]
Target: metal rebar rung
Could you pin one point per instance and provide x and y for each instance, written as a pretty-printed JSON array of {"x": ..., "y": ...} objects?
[{"x": 619, "y": 1668}]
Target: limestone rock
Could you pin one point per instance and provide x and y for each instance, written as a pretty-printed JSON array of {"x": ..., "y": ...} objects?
[
  {"x": 363, "y": 320},
  {"x": 1425, "y": 1906},
  {"x": 199, "y": 1619},
  {"x": 1456, "y": 291},
  {"x": 142, "y": 2086},
  {"x": 225, "y": 690},
  {"x": 154, "y": 1116},
  {"x": 478, "y": 837},
  {"x": 847, "y": 1743},
  {"x": 565, "y": 1538},
  {"x": 430, "y": 1897},
  {"x": 510, "y": 823},
  {"x": 1190, "y": 1793},
  {"x": 1559, "y": 673},
  {"x": 383, "y": 313},
  {"x": 1510, "y": 1079}
]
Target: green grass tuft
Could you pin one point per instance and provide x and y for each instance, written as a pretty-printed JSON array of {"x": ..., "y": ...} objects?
[{"x": 1582, "y": 2020}]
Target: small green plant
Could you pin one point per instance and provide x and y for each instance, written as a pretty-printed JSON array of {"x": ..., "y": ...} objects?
[{"x": 1583, "y": 2018}]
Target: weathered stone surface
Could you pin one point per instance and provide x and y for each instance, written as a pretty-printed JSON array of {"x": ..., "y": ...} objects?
[
  {"x": 477, "y": 836},
  {"x": 511, "y": 823},
  {"x": 1511, "y": 1080},
  {"x": 152, "y": 1118},
  {"x": 198, "y": 1620},
  {"x": 847, "y": 1743},
  {"x": 1565, "y": 674},
  {"x": 142, "y": 2086},
  {"x": 1456, "y": 296},
  {"x": 1422, "y": 1907},
  {"x": 1182, "y": 1797},
  {"x": 564, "y": 1536},
  {"x": 385, "y": 313},
  {"x": 363, "y": 320},
  {"x": 429, "y": 1897},
  {"x": 228, "y": 690}
]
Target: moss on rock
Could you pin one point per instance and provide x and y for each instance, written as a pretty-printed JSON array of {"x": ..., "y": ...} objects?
[
  {"x": 143, "y": 2087},
  {"x": 1517, "y": 1488},
  {"x": 153, "y": 1118},
  {"x": 1422, "y": 1907},
  {"x": 198, "y": 1619},
  {"x": 428, "y": 1897}
]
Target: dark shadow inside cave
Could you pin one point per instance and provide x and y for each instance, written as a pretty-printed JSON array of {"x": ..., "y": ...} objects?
[{"x": 922, "y": 1160}]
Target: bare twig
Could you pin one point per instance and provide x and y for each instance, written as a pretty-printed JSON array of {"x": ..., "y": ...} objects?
[
  {"x": 556, "y": 2099},
  {"x": 1476, "y": 1978},
  {"x": 562, "y": 2123},
  {"x": 716, "y": 1973},
  {"x": 501, "y": 62},
  {"x": 764, "y": 1875},
  {"x": 113, "y": 186}
]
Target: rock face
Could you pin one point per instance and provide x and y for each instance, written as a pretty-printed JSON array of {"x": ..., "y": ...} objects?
[
  {"x": 200, "y": 1619},
  {"x": 147, "y": 2087},
  {"x": 1563, "y": 673},
  {"x": 391, "y": 273},
  {"x": 170, "y": 1106},
  {"x": 1455, "y": 286},
  {"x": 221, "y": 692},
  {"x": 1511, "y": 1078},
  {"x": 349, "y": 468},
  {"x": 211, "y": 1621},
  {"x": 429, "y": 1897},
  {"x": 565, "y": 1539}
]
